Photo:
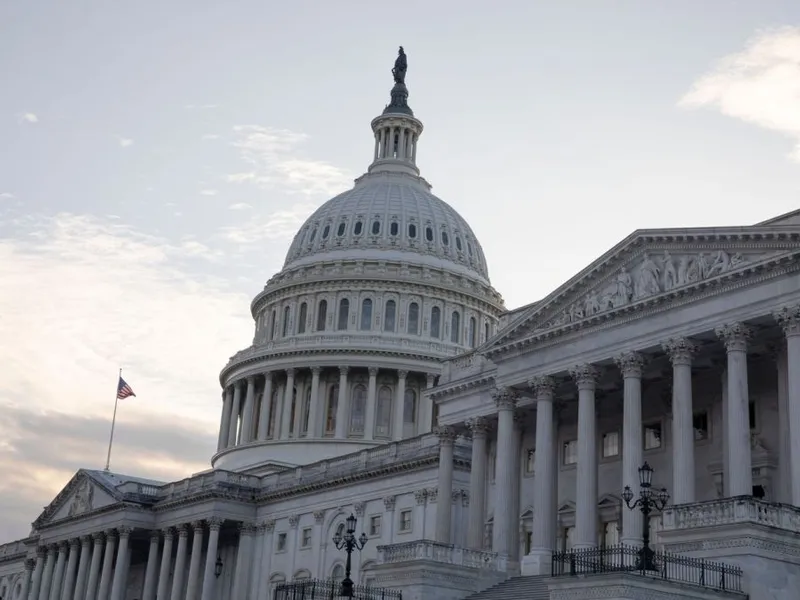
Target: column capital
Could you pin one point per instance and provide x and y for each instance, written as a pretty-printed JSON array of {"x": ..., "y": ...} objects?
[
  {"x": 373, "y": 371},
  {"x": 168, "y": 532},
  {"x": 246, "y": 528},
  {"x": 125, "y": 531},
  {"x": 735, "y": 336},
  {"x": 447, "y": 435},
  {"x": 183, "y": 530},
  {"x": 214, "y": 523},
  {"x": 316, "y": 371},
  {"x": 155, "y": 536},
  {"x": 630, "y": 364},
  {"x": 319, "y": 516},
  {"x": 432, "y": 494},
  {"x": 99, "y": 537},
  {"x": 505, "y": 398},
  {"x": 402, "y": 374},
  {"x": 788, "y": 317},
  {"x": 74, "y": 543},
  {"x": 41, "y": 551},
  {"x": 269, "y": 525},
  {"x": 251, "y": 379},
  {"x": 680, "y": 350},
  {"x": 389, "y": 502},
  {"x": 294, "y": 521},
  {"x": 343, "y": 370},
  {"x": 420, "y": 496},
  {"x": 63, "y": 545},
  {"x": 478, "y": 426},
  {"x": 29, "y": 564},
  {"x": 359, "y": 508},
  {"x": 585, "y": 375},
  {"x": 86, "y": 540},
  {"x": 543, "y": 386},
  {"x": 111, "y": 534},
  {"x": 290, "y": 372},
  {"x": 198, "y": 526},
  {"x": 268, "y": 375}
]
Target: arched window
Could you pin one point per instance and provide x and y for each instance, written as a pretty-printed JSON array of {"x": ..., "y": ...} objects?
[
  {"x": 285, "y": 330},
  {"x": 485, "y": 331},
  {"x": 330, "y": 409},
  {"x": 301, "y": 320},
  {"x": 376, "y": 227},
  {"x": 322, "y": 314},
  {"x": 413, "y": 318},
  {"x": 436, "y": 322},
  {"x": 272, "y": 324},
  {"x": 383, "y": 414},
  {"x": 358, "y": 228},
  {"x": 306, "y": 412},
  {"x": 472, "y": 332},
  {"x": 337, "y": 574},
  {"x": 344, "y": 313},
  {"x": 366, "y": 314},
  {"x": 273, "y": 407},
  {"x": 358, "y": 408},
  {"x": 409, "y": 412},
  {"x": 389, "y": 315},
  {"x": 455, "y": 327}
]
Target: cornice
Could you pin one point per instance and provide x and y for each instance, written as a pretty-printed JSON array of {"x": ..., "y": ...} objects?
[{"x": 463, "y": 385}]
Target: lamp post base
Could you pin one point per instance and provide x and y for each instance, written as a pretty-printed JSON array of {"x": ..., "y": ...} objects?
[
  {"x": 347, "y": 587},
  {"x": 646, "y": 560}
]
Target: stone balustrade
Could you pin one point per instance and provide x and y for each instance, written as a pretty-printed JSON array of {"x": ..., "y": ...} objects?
[
  {"x": 13, "y": 550},
  {"x": 441, "y": 553},
  {"x": 731, "y": 511}
]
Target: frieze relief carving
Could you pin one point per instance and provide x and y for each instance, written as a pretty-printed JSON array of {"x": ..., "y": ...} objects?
[{"x": 83, "y": 499}]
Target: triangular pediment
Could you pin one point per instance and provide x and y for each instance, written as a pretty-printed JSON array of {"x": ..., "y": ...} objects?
[
  {"x": 84, "y": 493},
  {"x": 650, "y": 266}
]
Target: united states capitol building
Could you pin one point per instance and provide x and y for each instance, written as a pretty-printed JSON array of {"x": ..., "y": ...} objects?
[{"x": 482, "y": 451}]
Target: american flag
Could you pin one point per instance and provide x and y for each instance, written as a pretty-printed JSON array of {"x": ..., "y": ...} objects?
[{"x": 123, "y": 390}]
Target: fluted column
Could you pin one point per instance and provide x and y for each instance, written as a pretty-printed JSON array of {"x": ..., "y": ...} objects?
[
  {"x": 36, "y": 580},
  {"x": 166, "y": 563},
  {"x": 26, "y": 578},
  {"x": 241, "y": 578},
  {"x": 193, "y": 584},
  {"x": 372, "y": 386},
  {"x": 233, "y": 432},
  {"x": 740, "y": 476},
  {"x": 225, "y": 419},
  {"x": 47, "y": 576},
  {"x": 266, "y": 407},
  {"x": 209, "y": 576},
  {"x": 79, "y": 590},
  {"x": 631, "y": 364},
  {"x": 789, "y": 319},
  {"x": 399, "y": 401},
  {"x": 680, "y": 352},
  {"x": 425, "y": 415},
  {"x": 538, "y": 561},
  {"x": 314, "y": 405},
  {"x": 98, "y": 547},
  {"x": 58, "y": 573},
  {"x": 444, "y": 509},
  {"x": 341, "y": 405},
  {"x": 265, "y": 567},
  {"x": 504, "y": 520},
  {"x": 69, "y": 573},
  {"x": 288, "y": 397},
  {"x": 248, "y": 412},
  {"x": 151, "y": 571},
  {"x": 478, "y": 426},
  {"x": 179, "y": 573},
  {"x": 586, "y": 482},
  {"x": 123, "y": 561}
]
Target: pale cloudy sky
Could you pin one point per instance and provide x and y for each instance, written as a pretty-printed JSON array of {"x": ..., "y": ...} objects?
[{"x": 157, "y": 157}]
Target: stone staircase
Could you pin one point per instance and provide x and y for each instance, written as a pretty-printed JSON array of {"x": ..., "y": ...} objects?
[{"x": 516, "y": 588}]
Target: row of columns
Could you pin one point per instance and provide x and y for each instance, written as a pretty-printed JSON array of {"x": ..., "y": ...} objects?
[{"x": 396, "y": 142}]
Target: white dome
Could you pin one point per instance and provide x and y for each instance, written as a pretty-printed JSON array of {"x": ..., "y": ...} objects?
[{"x": 390, "y": 216}]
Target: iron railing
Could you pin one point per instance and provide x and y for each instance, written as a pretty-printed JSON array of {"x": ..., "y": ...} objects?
[
  {"x": 661, "y": 565},
  {"x": 328, "y": 589}
]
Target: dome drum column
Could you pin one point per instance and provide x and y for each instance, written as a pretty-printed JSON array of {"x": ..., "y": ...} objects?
[
  {"x": 314, "y": 420},
  {"x": 372, "y": 387},
  {"x": 286, "y": 413},
  {"x": 399, "y": 405},
  {"x": 341, "y": 405}
]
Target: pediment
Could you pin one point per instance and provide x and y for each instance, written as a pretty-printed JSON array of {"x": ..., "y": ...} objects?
[
  {"x": 83, "y": 494},
  {"x": 648, "y": 267}
]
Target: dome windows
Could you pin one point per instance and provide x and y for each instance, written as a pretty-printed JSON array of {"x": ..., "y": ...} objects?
[
  {"x": 313, "y": 235},
  {"x": 455, "y": 327},
  {"x": 341, "y": 229},
  {"x": 436, "y": 322},
  {"x": 366, "y": 314},
  {"x": 285, "y": 331},
  {"x": 376, "y": 227},
  {"x": 394, "y": 228},
  {"x": 469, "y": 248},
  {"x": 445, "y": 239},
  {"x": 326, "y": 232},
  {"x": 412, "y": 231},
  {"x": 344, "y": 314},
  {"x": 390, "y": 314},
  {"x": 429, "y": 234},
  {"x": 458, "y": 244},
  {"x": 358, "y": 228},
  {"x": 301, "y": 320},
  {"x": 413, "y": 318},
  {"x": 322, "y": 314}
]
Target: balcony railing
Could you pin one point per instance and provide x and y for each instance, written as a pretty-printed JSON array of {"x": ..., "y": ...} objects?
[
  {"x": 441, "y": 553},
  {"x": 731, "y": 511},
  {"x": 660, "y": 565},
  {"x": 317, "y": 589}
]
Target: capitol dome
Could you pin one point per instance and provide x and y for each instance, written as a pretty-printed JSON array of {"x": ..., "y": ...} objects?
[{"x": 380, "y": 284}]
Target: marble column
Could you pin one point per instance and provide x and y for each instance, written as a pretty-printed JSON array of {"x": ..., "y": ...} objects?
[
  {"x": 298, "y": 409},
  {"x": 265, "y": 567},
  {"x": 538, "y": 561},
  {"x": 209, "y": 574},
  {"x": 515, "y": 487},
  {"x": 36, "y": 579},
  {"x": 266, "y": 407},
  {"x": 179, "y": 572},
  {"x": 248, "y": 412},
  {"x": 789, "y": 320},
  {"x": 244, "y": 558},
  {"x": 680, "y": 351},
  {"x": 98, "y": 546},
  {"x": 258, "y": 550},
  {"x": 47, "y": 575},
  {"x": 166, "y": 562},
  {"x": 740, "y": 476},
  {"x": 119, "y": 585},
  {"x": 151, "y": 570},
  {"x": 444, "y": 510},
  {"x": 341, "y": 405},
  {"x": 79, "y": 591},
  {"x": 233, "y": 432},
  {"x": 479, "y": 428},
  {"x": 58, "y": 573},
  {"x": 586, "y": 376},
  {"x": 288, "y": 398},
  {"x": 193, "y": 583},
  {"x": 372, "y": 387},
  {"x": 314, "y": 406},
  {"x": 778, "y": 353},
  {"x": 399, "y": 406},
  {"x": 225, "y": 420},
  {"x": 69, "y": 574},
  {"x": 631, "y": 364},
  {"x": 425, "y": 415},
  {"x": 504, "y": 519},
  {"x": 26, "y": 578}
]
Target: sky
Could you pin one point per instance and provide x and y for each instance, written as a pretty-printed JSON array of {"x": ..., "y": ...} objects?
[{"x": 156, "y": 159}]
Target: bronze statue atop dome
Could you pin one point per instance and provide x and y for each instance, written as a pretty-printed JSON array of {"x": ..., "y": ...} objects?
[{"x": 400, "y": 67}]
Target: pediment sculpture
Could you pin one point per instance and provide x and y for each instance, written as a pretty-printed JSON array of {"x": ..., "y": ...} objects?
[{"x": 83, "y": 499}]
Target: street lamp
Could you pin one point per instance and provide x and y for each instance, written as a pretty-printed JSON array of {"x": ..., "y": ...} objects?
[
  {"x": 218, "y": 567},
  {"x": 647, "y": 502},
  {"x": 349, "y": 542}
]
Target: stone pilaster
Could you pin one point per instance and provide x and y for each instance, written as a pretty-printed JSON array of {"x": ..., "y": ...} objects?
[
  {"x": 314, "y": 412},
  {"x": 342, "y": 422},
  {"x": 372, "y": 387},
  {"x": 288, "y": 399},
  {"x": 266, "y": 408},
  {"x": 399, "y": 402},
  {"x": 447, "y": 437}
]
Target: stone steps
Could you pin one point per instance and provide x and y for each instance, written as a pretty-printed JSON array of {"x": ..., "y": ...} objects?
[{"x": 516, "y": 588}]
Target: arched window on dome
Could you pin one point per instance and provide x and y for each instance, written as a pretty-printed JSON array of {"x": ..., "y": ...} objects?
[
  {"x": 306, "y": 412},
  {"x": 273, "y": 407},
  {"x": 301, "y": 320},
  {"x": 285, "y": 321},
  {"x": 313, "y": 235},
  {"x": 366, "y": 314},
  {"x": 486, "y": 331},
  {"x": 436, "y": 322},
  {"x": 322, "y": 314},
  {"x": 455, "y": 327},
  {"x": 469, "y": 248},
  {"x": 409, "y": 412},
  {"x": 412, "y": 231},
  {"x": 429, "y": 234},
  {"x": 358, "y": 409},
  {"x": 458, "y": 243},
  {"x": 272, "y": 324},
  {"x": 326, "y": 232},
  {"x": 413, "y": 318},
  {"x": 389, "y": 315},
  {"x": 358, "y": 228},
  {"x": 445, "y": 239},
  {"x": 376, "y": 227},
  {"x": 394, "y": 228},
  {"x": 472, "y": 331},
  {"x": 344, "y": 314},
  {"x": 341, "y": 229},
  {"x": 383, "y": 413},
  {"x": 330, "y": 409}
]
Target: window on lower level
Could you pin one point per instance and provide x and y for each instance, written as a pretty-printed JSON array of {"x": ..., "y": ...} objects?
[
  {"x": 405, "y": 520},
  {"x": 375, "y": 525},
  {"x": 530, "y": 461},
  {"x": 280, "y": 545},
  {"x": 652, "y": 436},
  {"x": 609, "y": 535},
  {"x": 305, "y": 541},
  {"x": 700, "y": 424},
  {"x": 571, "y": 452},
  {"x": 610, "y": 444},
  {"x": 753, "y": 414}
]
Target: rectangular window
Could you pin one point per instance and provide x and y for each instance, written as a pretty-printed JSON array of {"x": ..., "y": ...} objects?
[
  {"x": 375, "y": 525},
  {"x": 281, "y": 543},
  {"x": 305, "y": 541},
  {"x": 530, "y": 462},
  {"x": 528, "y": 541},
  {"x": 571, "y": 452},
  {"x": 752, "y": 414},
  {"x": 611, "y": 444},
  {"x": 700, "y": 424},
  {"x": 652, "y": 436},
  {"x": 569, "y": 533},
  {"x": 405, "y": 520}
]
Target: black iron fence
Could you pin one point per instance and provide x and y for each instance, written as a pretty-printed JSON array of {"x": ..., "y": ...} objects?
[
  {"x": 663, "y": 565},
  {"x": 327, "y": 589}
]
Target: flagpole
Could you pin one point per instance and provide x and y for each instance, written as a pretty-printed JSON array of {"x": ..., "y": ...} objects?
[{"x": 113, "y": 422}]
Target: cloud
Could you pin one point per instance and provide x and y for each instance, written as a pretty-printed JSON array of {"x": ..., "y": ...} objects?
[
  {"x": 209, "y": 192},
  {"x": 28, "y": 117},
  {"x": 7, "y": 196},
  {"x": 240, "y": 206},
  {"x": 759, "y": 85},
  {"x": 200, "y": 106},
  {"x": 210, "y": 136},
  {"x": 274, "y": 160},
  {"x": 280, "y": 225},
  {"x": 124, "y": 142}
]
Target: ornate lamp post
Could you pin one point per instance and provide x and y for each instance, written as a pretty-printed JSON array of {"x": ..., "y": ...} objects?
[
  {"x": 349, "y": 542},
  {"x": 647, "y": 502}
]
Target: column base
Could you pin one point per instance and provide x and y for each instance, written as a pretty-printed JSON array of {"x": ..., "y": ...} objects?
[{"x": 538, "y": 562}]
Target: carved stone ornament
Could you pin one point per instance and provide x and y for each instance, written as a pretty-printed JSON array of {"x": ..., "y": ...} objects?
[
  {"x": 420, "y": 496},
  {"x": 630, "y": 364},
  {"x": 543, "y": 387},
  {"x": 505, "y": 398},
  {"x": 433, "y": 494},
  {"x": 83, "y": 499},
  {"x": 389, "y": 502},
  {"x": 359, "y": 508},
  {"x": 478, "y": 426},
  {"x": 788, "y": 317},
  {"x": 585, "y": 376},
  {"x": 735, "y": 336},
  {"x": 680, "y": 350},
  {"x": 294, "y": 520},
  {"x": 319, "y": 516},
  {"x": 446, "y": 435},
  {"x": 269, "y": 525}
]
